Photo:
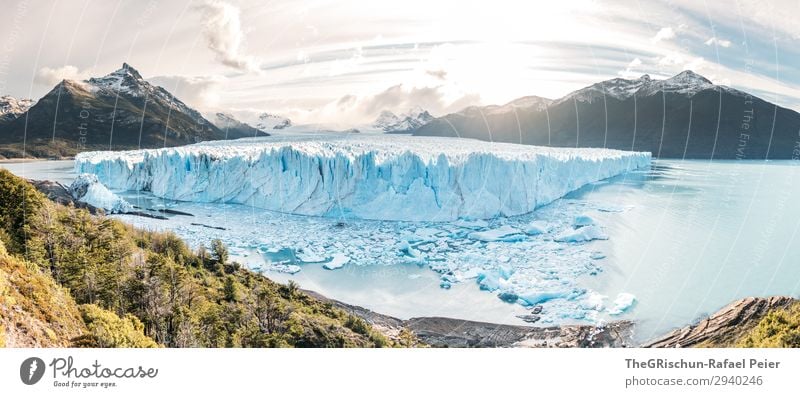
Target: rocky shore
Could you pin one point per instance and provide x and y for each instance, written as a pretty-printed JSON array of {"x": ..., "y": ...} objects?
[
  {"x": 725, "y": 327},
  {"x": 451, "y": 332}
]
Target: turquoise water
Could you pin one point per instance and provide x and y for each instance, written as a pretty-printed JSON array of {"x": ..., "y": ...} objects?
[
  {"x": 699, "y": 235},
  {"x": 694, "y": 236}
]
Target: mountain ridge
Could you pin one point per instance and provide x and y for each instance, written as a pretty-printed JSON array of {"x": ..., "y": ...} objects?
[
  {"x": 684, "y": 116},
  {"x": 118, "y": 111}
]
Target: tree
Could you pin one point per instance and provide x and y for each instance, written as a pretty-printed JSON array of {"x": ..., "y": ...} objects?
[
  {"x": 229, "y": 289},
  {"x": 220, "y": 252},
  {"x": 291, "y": 289}
]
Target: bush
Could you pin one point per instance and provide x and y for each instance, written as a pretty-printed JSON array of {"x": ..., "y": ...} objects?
[
  {"x": 106, "y": 329},
  {"x": 779, "y": 328}
]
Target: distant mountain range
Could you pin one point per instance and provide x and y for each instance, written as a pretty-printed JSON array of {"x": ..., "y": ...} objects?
[
  {"x": 685, "y": 116},
  {"x": 405, "y": 123},
  {"x": 234, "y": 128},
  {"x": 268, "y": 121},
  {"x": 117, "y": 111},
  {"x": 11, "y": 108}
]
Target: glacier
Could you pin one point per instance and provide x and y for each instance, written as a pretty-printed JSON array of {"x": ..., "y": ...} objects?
[
  {"x": 375, "y": 177},
  {"x": 88, "y": 189}
]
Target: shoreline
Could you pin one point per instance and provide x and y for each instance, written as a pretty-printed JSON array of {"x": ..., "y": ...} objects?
[{"x": 722, "y": 327}]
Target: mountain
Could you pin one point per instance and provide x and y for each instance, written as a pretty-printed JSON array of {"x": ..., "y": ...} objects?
[
  {"x": 405, "y": 123},
  {"x": 267, "y": 121},
  {"x": 117, "y": 111},
  {"x": 685, "y": 116},
  {"x": 234, "y": 128},
  {"x": 11, "y": 108}
]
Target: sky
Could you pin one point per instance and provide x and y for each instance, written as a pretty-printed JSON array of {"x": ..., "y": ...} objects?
[{"x": 342, "y": 62}]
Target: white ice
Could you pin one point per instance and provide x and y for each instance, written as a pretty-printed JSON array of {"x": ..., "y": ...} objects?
[
  {"x": 86, "y": 188},
  {"x": 587, "y": 233},
  {"x": 338, "y": 261},
  {"x": 383, "y": 177},
  {"x": 622, "y": 303}
]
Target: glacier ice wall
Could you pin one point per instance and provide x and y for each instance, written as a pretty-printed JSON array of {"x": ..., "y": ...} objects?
[{"x": 368, "y": 177}]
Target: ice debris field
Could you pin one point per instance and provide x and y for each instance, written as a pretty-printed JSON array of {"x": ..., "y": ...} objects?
[{"x": 463, "y": 208}]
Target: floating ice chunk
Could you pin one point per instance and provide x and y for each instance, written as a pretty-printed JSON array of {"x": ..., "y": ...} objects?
[
  {"x": 492, "y": 280},
  {"x": 594, "y": 301},
  {"x": 583, "y": 220},
  {"x": 502, "y": 233},
  {"x": 308, "y": 255},
  {"x": 535, "y": 297},
  {"x": 471, "y": 224},
  {"x": 509, "y": 297},
  {"x": 338, "y": 261},
  {"x": 587, "y": 233},
  {"x": 285, "y": 268},
  {"x": 88, "y": 189},
  {"x": 537, "y": 227},
  {"x": 622, "y": 303},
  {"x": 597, "y": 255},
  {"x": 467, "y": 274},
  {"x": 407, "y": 250}
]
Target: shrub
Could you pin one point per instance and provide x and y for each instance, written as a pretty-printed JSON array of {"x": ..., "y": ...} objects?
[
  {"x": 106, "y": 329},
  {"x": 779, "y": 328}
]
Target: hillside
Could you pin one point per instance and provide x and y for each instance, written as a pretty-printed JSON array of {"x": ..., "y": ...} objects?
[
  {"x": 118, "y": 111},
  {"x": 748, "y": 322},
  {"x": 73, "y": 279},
  {"x": 685, "y": 116}
]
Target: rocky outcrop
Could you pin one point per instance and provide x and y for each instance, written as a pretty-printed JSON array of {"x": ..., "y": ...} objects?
[
  {"x": 59, "y": 193},
  {"x": 448, "y": 332},
  {"x": 451, "y": 332},
  {"x": 724, "y": 327}
]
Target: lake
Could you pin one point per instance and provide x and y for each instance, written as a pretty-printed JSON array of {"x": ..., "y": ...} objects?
[{"x": 689, "y": 238}]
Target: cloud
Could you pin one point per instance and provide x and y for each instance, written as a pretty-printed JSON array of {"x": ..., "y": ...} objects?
[
  {"x": 439, "y": 74},
  {"x": 664, "y": 34},
  {"x": 719, "y": 42},
  {"x": 350, "y": 110},
  {"x": 222, "y": 29},
  {"x": 200, "y": 92},
  {"x": 631, "y": 71},
  {"x": 51, "y": 76}
]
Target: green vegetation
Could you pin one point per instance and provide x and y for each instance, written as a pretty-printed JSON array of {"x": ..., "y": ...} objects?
[
  {"x": 133, "y": 288},
  {"x": 106, "y": 329},
  {"x": 779, "y": 328},
  {"x": 34, "y": 310}
]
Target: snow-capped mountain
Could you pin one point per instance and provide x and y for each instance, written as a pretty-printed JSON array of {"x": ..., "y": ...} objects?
[
  {"x": 686, "y": 83},
  {"x": 404, "y": 123},
  {"x": 684, "y": 116},
  {"x": 118, "y": 111},
  {"x": 234, "y": 128},
  {"x": 268, "y": 121},
  {"x": 11, "y": 108},
  {"x": 526, "y": 103}
]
